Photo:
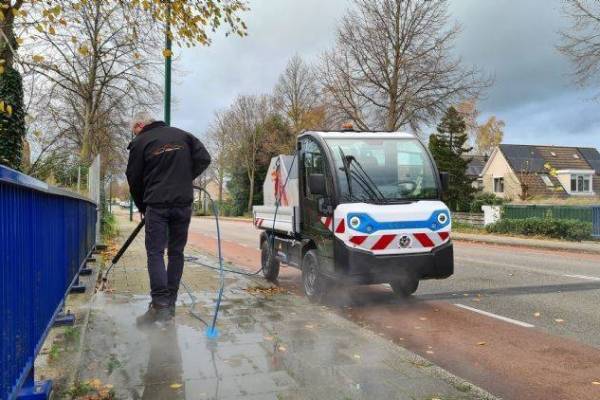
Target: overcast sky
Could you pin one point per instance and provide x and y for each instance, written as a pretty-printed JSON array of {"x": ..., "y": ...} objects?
[{"x": 512, "y": 40}]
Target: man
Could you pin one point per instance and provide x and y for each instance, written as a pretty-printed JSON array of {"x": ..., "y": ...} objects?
[{"x": 163, "y": 162}]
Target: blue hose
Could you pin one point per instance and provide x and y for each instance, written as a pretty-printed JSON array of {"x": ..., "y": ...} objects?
[{"x": 211, "y": 331}]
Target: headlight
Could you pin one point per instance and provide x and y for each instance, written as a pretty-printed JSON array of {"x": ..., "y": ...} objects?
[
  {"x": 442, "y": 218},
  {"x": 354, "y": 222}
]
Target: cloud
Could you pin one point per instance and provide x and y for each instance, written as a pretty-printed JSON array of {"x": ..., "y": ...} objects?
[{"x": 513, "y": 40}]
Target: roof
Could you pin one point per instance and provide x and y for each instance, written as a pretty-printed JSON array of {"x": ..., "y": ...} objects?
[
  {"x": 531, "y": 159},
  {"x": 361, "y": 135},
  {"x": 476, "y": 164}
]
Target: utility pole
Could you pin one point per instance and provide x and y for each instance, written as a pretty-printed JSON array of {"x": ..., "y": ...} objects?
[{"x": 168, "y": 65}]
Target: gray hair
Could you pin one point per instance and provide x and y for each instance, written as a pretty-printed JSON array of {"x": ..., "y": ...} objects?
[{"x": 143, "y": 117}]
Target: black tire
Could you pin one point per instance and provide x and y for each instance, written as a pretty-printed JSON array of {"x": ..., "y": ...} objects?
[
  {"x": 405, "y": 287},
  {"x": 315, "y": 285},
  {"x": 269, "y": 263}
]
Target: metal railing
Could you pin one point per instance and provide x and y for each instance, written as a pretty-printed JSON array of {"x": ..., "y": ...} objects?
[
  {"x": 46, "y": 236},
  {"x": 596, "y": 222},
  {"x": 580, "y": 213}
]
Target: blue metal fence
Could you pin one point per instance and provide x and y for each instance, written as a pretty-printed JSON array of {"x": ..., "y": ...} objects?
[
  {"x": 46, "y": 235},
  {"x": 596, "y": 222}
]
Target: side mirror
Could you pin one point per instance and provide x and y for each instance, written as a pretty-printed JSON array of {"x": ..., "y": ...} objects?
[
  {"x": 316, "y": 184},
  {"x": 445, "y": 181}
]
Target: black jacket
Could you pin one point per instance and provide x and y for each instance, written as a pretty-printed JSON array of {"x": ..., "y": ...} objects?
[{"x": 163, "y": 162}]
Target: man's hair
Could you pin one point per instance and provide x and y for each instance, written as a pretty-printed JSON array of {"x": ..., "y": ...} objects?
[{"x": 143, "y": 117}]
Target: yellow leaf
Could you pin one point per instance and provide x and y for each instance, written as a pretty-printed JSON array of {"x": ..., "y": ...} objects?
[
  {"x": 9, "y": 109},
  {"x": 536, "y": 314},
  {"x": 1, "y": 106},
  {"x": 481, "y": 343},
  {"x": 19, "y": 41},
  {"x": 38, "y": 58},
  {"x": 559, "y": 320},
  {"x": 1, "y": 69},
  {"x": 83, "y": 50},
  {"x": 51, "y": 30},
  {"x": 1, "y": 16},
  {"x": 167, "y": 53},
  {"x": 175, "y": 385},
  {"x": 596, "y": 383}
]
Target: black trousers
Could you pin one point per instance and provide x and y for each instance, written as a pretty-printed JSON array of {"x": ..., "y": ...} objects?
[{"x": 166, "y": 228}]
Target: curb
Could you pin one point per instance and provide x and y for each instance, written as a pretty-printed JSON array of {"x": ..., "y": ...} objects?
[{"x": 529, "y": 243}]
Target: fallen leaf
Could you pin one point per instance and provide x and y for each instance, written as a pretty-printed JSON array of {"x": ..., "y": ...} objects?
[
  {"x": 559, "y": 320},
  {"x": 357, "y": 356},
  {"x": 108, "y": 386},
  {"x": 309, "y": 326},
  {"x": 481, "y": 343},
  {"x": 476, "y": 299},
  {"x": 269, "y": 338},
  {"x": 536, "y": 314},
  {"x": 596, "y": 383},
  {"x": 429, "y": 352},
  {"x": 175, "y": 385},
  {"x": 423, "y": 319},
  {"x": 388, "y": 327},
  {"x": 282, "y": 348}
]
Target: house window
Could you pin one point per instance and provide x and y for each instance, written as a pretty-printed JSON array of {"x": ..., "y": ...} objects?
[
  {"x": 498, "y": 185},
  {"x": 581, "y": 183},
  {"x": 547, "y": 180}
]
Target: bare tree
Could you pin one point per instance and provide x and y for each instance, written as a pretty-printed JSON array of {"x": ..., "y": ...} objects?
[
  {"x": 96, "y": 70},
  {"x": 392, "y": 65},
  {"x": 581, "y": 41},
  {"x": 247, "y": 120},
  {"x": 220, "y": 140},
  {"x": 296, "y": 95}
]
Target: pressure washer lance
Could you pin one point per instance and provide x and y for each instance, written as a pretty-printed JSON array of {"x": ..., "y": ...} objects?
[{"x": 121, "y": 251}]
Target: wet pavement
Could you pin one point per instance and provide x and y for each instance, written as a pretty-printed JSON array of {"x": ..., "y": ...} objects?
[{"x": 272, "y": 345}]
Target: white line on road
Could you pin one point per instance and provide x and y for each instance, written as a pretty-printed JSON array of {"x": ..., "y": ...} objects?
[
  {"x": 492, "y": 315},
  {"x": 589, "y": 278}
]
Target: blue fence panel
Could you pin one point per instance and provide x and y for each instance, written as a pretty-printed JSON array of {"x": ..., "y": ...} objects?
[
  {"x": 596, "y": 221},
  {"x": 46, "y": 235}
]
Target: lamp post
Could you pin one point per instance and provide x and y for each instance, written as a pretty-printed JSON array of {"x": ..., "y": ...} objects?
[{"x": 168, "y": 65}]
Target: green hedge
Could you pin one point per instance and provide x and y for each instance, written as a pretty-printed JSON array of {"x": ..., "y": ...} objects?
[
  {"x": 484, "y": 199},
  {"x": 554, "y": 228}
]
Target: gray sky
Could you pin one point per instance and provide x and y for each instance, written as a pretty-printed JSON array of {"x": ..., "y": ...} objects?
[{"x": 513, "y": 40}]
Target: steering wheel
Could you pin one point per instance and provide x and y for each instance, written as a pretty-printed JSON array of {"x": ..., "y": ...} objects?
[{"x": 407, "y": 187}]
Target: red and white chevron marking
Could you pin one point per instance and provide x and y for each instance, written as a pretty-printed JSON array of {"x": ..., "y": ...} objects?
[
  {"x": 418, "y": 240},
  {"x": 340, "y": 225},
  {"x": 258, "y": 222}
]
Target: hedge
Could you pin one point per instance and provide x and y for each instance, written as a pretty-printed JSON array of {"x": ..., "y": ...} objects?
[{"x": 567, "y": 229}]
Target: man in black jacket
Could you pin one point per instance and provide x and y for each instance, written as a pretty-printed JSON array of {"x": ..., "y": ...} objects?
[{"x": 163, "y": 162}]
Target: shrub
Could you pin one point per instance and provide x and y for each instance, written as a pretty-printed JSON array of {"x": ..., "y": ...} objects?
[
  {"x": 108, "y": 225},
  {"x": 568, "y": 229},
  {"x": 485, "y": 199}
]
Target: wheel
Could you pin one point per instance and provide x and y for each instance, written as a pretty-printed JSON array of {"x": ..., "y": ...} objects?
[
  {"x": 314, "y": 283},
  {"x": 269, "y": 263},
  {"x": 405, "y": 287}
]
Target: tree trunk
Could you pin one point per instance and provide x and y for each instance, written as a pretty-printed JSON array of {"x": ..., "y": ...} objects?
[{"x": 251, "y": 194}]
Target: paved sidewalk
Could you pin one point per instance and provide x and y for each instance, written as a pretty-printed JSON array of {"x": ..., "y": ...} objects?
[
  {"x": 273, "y": 345},
  {"x": 548, "y": 244}
]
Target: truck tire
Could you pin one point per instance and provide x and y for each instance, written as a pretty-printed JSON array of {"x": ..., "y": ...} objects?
[
  {"x": 315, "y": 285},
  {"x": 405, "y": 287},
  {"x": 269, "y": 264}
]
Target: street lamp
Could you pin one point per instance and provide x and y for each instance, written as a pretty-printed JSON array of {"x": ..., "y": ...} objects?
[{"x": 168, "y": 65}]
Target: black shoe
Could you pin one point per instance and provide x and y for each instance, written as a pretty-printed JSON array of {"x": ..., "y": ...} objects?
[{"x": 154, "y": 314}]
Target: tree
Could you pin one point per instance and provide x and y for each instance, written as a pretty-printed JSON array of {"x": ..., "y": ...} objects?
[
  {"x": 392, "y": 65},
  {"x": 581, "y": 42},
  {"x": 187, "y": 23},
  {"x": 447, "y": 147},
  {"x": 96, "y": 71},
  {"x": 296, "y": 95},
  {"x": 489, "y": 135}
]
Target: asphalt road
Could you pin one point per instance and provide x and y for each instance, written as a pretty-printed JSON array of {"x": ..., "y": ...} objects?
[{"x": 521, "y": 323}]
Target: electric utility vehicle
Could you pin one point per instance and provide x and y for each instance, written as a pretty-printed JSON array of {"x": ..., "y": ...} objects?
[{"x": 358, "y": 208}]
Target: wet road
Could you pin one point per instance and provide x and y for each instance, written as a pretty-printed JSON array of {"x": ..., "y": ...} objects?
[{"x": 521, "y": 323}]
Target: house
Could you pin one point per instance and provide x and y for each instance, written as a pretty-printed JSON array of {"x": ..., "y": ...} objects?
[
  {"x": 521, "y": 171},
  {"x": 475, "y": 168}
]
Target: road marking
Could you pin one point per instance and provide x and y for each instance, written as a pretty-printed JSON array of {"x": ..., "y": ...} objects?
[
  {"x": 590, "y": 278},
  {"x": 492, "y": 315}
]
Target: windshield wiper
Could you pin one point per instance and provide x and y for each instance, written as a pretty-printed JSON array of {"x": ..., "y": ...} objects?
[{"x": 365, "y": 179}]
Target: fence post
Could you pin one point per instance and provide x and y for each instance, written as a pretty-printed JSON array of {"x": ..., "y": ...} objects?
[{"x": 596, "y": 221}]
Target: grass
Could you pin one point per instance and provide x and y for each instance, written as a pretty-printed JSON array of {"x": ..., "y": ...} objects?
[
  {"x": 113, "y": 364},
  {"x": 71, "y": 334},
  {"x": 467, "y": 228},
  {"x": 54, "y": 352}
]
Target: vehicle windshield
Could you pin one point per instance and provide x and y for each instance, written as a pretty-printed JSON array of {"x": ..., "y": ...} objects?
[{"x": 383, "y": 170}]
